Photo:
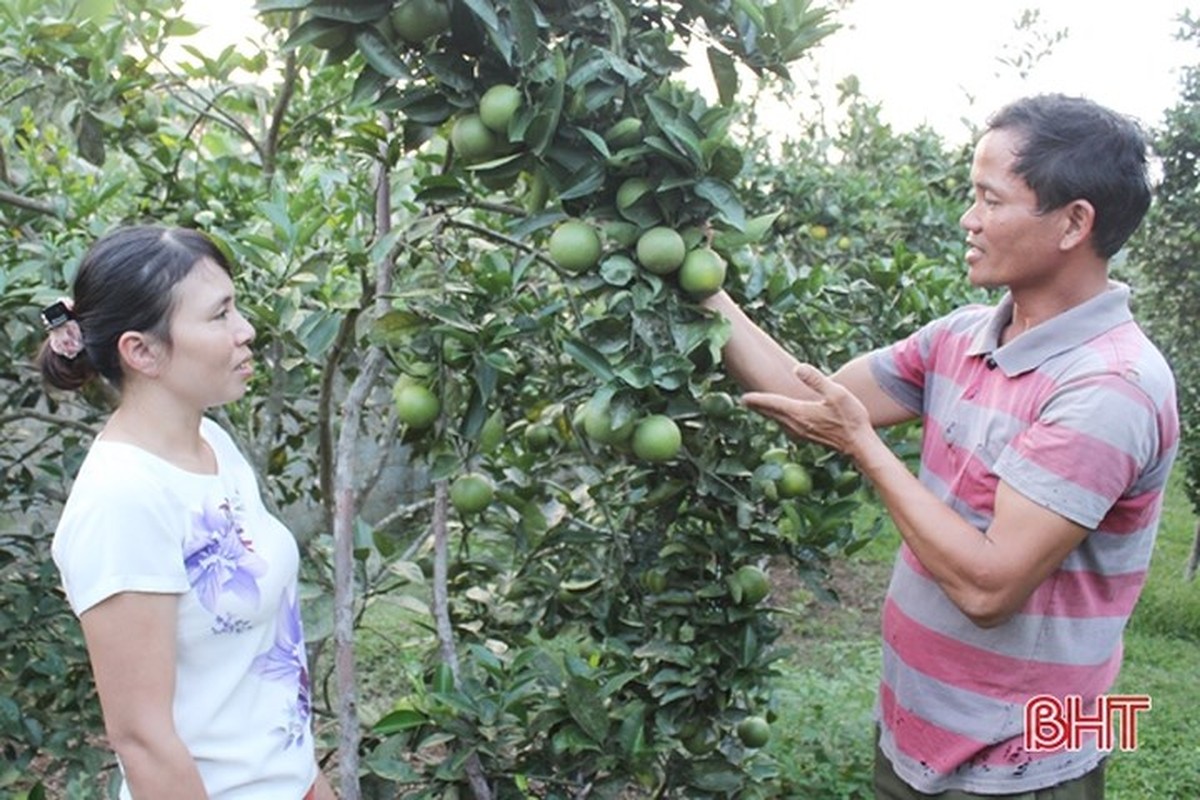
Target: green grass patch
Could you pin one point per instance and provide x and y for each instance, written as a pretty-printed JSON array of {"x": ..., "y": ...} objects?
[
  {"x": 823, "y": 735},
  {"x": 1162, "y": 660}
]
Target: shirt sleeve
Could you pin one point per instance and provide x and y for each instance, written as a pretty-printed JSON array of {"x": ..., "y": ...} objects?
[
  {"x": 900, "y": 368},
  {"x": 119, "y": 534},
  {"x": 1090, "y": 444}
]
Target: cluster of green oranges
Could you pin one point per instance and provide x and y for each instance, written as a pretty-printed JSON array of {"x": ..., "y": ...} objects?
[
  {"x": 481, "y": 134},
  {"x": 575, "y": 246},
  {"x": 654, "y": 438}
]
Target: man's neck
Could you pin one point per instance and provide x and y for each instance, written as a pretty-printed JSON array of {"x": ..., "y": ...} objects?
[{"x": 1033, "y": 306}]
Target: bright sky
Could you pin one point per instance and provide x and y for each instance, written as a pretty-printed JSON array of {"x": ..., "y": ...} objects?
[{"x": 937, "y": 61}]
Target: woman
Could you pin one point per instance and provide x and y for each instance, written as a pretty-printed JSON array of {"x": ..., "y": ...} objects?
[{"x": 185, "y": 586}]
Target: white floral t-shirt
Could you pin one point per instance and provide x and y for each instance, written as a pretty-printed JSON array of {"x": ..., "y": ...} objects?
[{"x": 136, "y": 523}]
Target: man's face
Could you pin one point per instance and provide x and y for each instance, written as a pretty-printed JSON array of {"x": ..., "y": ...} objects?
[{"x": 1009, "y": 242}]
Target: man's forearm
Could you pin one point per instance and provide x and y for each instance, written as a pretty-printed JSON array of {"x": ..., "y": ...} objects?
[
  {"x": 948, "y": 546},
  {"x": 754, "y": 359}
]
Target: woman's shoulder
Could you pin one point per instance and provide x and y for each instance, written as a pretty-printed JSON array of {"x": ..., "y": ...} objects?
[
  {"x": 228, "y": 453},
  {"x": 216, "y": 435}
]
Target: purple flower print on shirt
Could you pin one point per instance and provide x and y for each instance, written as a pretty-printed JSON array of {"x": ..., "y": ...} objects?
[
  {"x": 287, "y": 662},
  {"x": 219, "y": 559}
]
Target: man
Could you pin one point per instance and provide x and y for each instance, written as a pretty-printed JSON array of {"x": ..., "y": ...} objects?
[{"x": 1049, "y": 429}]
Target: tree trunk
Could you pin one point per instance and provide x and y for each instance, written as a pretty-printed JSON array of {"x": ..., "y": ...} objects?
[
  {"x": 1189, "y": 572},
  {"x": 442, "y": 622},
  {"x": 346, "y": 503}
]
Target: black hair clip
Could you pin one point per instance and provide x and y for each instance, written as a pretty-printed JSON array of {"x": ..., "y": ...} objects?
[{"x": 56, "y": 315}]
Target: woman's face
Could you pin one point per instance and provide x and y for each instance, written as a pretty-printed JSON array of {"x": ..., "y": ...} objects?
[{"x": 209, "y": 362}]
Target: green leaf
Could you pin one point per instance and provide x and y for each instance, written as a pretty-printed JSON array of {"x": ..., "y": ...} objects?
[
  {"x": 755, "y": 231},
  {"x": 524, "y": 17},
  {"x": 596, "y": 140},
  {"x": 355, "y": 12},
  {"x": 618, "y": 270},
  {"x": 367, "y": 86},
  {"x": 664, "y": 148},
  {"x": 587, "y": 182},
  {"x": 586, "y": 707},
  {"x": 318, "y": 331},
  {"x": 752, "y": 10},
  {"x": 589, "y": 359},
  {"x": 679, "y": 128},
  {"x": 267, "y": 6},
  {"x": 544, "y": 123},
  {"x": 724, "y": 200},
  {"x": 485, "y": 12},
  {"x": 424, "y": 104},
  {"x": 724, "y": 71},
  {"x": 715, "y": 777},
  {"x": 378, "y": 52},
  {"x": 181, "y": 27},
  {"x": 632, "y": 735}
]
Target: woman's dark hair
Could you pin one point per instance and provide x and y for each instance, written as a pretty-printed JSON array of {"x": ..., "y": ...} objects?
[
  {"x": 1075, "y": 149},
  {"x": 126, "y": 282}
]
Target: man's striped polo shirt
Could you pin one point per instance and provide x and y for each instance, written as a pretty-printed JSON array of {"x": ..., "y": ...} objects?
[{"x": 1078, "y": 414}]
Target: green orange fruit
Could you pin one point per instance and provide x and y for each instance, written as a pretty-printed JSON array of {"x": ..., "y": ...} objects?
[
  {"x": 795, "y": 481},
  {"x": 416, "y": 406},
  {"x": 575, "y": 246},
  {"x": 471, "y": 493},
  {"x": 472, "y": 139},
  {"x": 702, "y": 272},
  {"x": 498, "y": 105},
  {"x": 753, "y": 583},
  {"x": 661, "y": 250},
  {"x": 754, "y": 731},
  {"x": 657, "y": 438},
  {"x": 417, "y": 20},
  {"x": 598, "y": 424}
]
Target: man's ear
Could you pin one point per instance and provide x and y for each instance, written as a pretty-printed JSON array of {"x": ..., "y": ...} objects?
[
  {"x": 1080, "y": 216},
  {"x": 141, "y": 353}
]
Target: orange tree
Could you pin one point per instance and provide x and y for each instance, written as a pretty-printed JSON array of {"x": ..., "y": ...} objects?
[
  {"x": 603, "y": 623},
  {"x": 1163, "y": 252}
]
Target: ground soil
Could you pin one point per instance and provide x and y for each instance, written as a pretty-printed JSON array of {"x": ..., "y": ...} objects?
[{"x": 851, "y": 608}]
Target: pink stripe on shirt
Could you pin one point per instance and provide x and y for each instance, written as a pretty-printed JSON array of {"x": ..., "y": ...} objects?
[
  {"x": 1134, "y": 514},
  {"x": 1072, "y": 455},
  {"x": 1085, "y": 595},
  {"x": 943, "y": 750},
  {"x": 969, "y": 668}
]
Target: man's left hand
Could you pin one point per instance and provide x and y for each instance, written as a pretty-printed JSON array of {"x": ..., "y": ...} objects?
[{"x": 835, "y": 418}]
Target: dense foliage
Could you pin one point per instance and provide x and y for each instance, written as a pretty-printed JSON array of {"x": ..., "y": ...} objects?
[
  {"x": 1164, "y": 258},
  {"x": 609, "y": 627}
]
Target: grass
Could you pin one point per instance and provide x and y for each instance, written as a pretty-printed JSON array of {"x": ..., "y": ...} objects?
[
  {"x": 1161, "y": 647},
  {"x": 824, "y": 731}
]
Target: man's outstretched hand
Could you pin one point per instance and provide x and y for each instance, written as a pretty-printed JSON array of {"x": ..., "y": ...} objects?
[{"x": 834, "y": 418}]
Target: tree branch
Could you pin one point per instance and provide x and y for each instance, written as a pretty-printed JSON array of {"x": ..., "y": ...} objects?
[
  {"x": 346, "y": 502},
  {"x": 49, "y": 419},
  {"x": 27, "y": 203},
  {"x": 272, "y": 408},
  {"x": 1189, "y": 571},
  {"x": 442, "y": 622},
  {"x": 325, "y": 443},
  {"x": 270, "y": 148},
  {"x": 503, "y": 239}
]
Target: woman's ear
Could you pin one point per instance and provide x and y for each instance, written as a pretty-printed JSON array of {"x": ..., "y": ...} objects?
[
  {"x": 141, "y": 353},
  {"x": 1080, "y": 217}
]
